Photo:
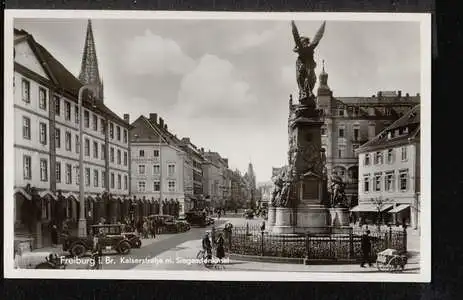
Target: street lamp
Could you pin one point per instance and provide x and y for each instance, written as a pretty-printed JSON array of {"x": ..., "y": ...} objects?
[{"x": 82, "y": 225}]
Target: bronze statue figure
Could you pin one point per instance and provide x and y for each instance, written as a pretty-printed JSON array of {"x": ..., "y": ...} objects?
[{"x": 305, "y": 64}]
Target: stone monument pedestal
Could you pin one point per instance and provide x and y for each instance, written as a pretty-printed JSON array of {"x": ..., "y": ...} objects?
[
  {"x": 301, "y": 220},
  {"x": 339, "y": 217},
  {"x": 271, "y": 217}
]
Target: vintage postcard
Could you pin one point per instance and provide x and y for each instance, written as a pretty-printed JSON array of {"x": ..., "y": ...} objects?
[{"x": 217, "y": 146}]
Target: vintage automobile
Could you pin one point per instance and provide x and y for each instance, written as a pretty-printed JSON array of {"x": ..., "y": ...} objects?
[
  {"x": 248, "y": 214},
  {"x": 133, "y": 238},
  {"x": 38, "y": 260},
  {"x": 111, "y": 238},
  {"x": 196, "y": 218},
  {"x": 168, "y": 224}
]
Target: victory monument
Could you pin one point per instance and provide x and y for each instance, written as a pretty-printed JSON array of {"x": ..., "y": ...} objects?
[{"x": 300, "y": 200}]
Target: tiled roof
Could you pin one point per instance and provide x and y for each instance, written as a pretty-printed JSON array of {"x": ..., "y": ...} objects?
[
  {"x": 64, "y": 79},
  {"x": 358, "y": 101},
  {"x": 410, "y": 120}
]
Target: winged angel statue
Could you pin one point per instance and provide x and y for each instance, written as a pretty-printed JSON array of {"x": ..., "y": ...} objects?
[{"x": 305, "y": 64}]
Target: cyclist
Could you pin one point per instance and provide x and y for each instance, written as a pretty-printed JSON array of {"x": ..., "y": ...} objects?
[{"x": 207, "y": 247}]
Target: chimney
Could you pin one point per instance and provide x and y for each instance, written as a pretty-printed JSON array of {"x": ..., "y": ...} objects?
[
  {"x": 154, "y": 118},
  {"x": 380, "y": 94},
  {"x": 202, "y": 150},
  {"x": 165, "y": 127},
  {"x": 407, "y": 95},
  {"x": 161, "y": 122},
  {"x": 417, "y": 94},
  {"x": 127, "y": 118},
  {"x": 186, "y": 140},
  {"x": 399, "y": 93}
]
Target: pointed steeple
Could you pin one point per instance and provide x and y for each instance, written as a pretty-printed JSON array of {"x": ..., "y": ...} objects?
[
  {"x": 89, "y": 73},
  {"x": 323, "y": 87}
]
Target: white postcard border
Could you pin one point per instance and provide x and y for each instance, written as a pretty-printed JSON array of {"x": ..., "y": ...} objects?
[{"x": 425, "y": 213}]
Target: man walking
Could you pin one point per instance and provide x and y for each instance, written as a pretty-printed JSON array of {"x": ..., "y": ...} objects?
[{"x": 366, "y": 249}]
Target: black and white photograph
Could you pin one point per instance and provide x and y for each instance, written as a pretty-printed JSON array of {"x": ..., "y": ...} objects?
[{"x": 217, "y": 146}]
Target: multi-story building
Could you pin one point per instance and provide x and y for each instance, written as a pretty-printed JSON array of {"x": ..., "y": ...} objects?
[
  {"x": 236, "y": 197},
  {"x": 350, "y": 122},
  {"x": 157, "y": 164},
  {"x": 390, "y": 172},
  {"x": 46, "y": 142},
  {"x": 215, "y": 185},
  {"x": 193, "y": 186}
]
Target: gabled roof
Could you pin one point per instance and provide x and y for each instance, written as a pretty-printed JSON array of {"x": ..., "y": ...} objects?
[
  {"x": 61, "y": 77},
  {"x": 411, "y": 121}
]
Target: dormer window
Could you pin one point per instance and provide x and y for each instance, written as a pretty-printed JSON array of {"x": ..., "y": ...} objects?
[
  {"x": 389, "y": 135},
  {"x": 405, "y": 130}
]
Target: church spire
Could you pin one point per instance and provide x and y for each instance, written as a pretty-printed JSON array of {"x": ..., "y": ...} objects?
[
  {"x": 89, "y": 73},
  {"x": 323, "y": 87}
]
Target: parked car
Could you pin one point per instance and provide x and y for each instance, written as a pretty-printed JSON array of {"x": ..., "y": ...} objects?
[
  {"x": 196, "y": 218},
  {"x": 113, "y": 239},
  {"x": 133, "y": 238},
  {"x": 248, "y": 214},
  {"x": 169, "y": 224},
  {"x": 209, "y": 221}
]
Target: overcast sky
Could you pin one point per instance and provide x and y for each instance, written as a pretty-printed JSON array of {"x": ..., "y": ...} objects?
[{"x": 226, "y": 84}]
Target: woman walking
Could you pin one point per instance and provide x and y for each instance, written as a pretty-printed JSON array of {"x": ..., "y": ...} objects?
[{"x": 220, "y": 252}]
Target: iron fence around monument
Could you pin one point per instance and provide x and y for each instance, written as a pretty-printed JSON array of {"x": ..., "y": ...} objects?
[{"x": 339, "y": 244}]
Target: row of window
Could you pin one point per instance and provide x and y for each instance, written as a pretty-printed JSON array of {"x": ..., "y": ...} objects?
[
  {"x": 98, "y": 126},
  {"x": 385, "y": 181},
  {"x": 141, "y": 153},
  {"x": 157, "y": 169},
  {"x": 68, "y": 178},
  {"x": 97, "y": 153},
  {"x": 342, "y": 131},
  {"x": 378, "y": 158},
  {"x": 156, "y": 186}
]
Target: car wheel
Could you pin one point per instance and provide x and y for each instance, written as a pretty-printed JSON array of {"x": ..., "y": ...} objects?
[
  {"x": 77, "y": 250},
  {"x": 124, "y": 247},
  {"x": 138, "y": 244}
]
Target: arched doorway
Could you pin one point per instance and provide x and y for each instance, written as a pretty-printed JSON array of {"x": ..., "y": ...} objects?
[{"x": 353, "y": 175}]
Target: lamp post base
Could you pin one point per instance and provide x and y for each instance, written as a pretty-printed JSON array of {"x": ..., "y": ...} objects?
[{"x": 82, "y": 228}]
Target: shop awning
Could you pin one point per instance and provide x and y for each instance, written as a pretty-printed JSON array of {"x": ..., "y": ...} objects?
[
  {"x": 45, "y": 193},
  {"x": 23, "y": 192},
  {"x": 370, "y": 208},
  {"x": 399, "y": 208}
]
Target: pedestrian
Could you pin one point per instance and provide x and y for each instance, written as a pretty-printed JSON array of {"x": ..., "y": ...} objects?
[
  {"x": 153, "y": 229},
  {"x": 213, "y": 236},
  {"x": 262, "y": 227},
  {"x": 145, "y": 229},
  {"x": 54, "y": 235},
  {"x": 220, "y": 251},
  {"x": 366, "y": 249},
  {"x": 218, "y": 214},
  {"x": 207, "y": 247}
]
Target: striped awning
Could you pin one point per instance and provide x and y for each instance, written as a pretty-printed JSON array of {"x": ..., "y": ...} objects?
[
  {"x": 367, "y": 207},
  {"x": 399, "y": 208}
]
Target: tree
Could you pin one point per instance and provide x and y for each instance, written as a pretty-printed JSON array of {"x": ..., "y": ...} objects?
[{"x": 380, "y": 203}]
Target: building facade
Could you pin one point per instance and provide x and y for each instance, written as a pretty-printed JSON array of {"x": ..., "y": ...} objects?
[
  {"x": 193, "y": 186},
  {"x": 390, "y": 171},
  {"x": 46, "y": 143},
  {"x": 157, "y": 164},
  {"x": 216, "y": 184},
  {"x": 350, "y": 122}
]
